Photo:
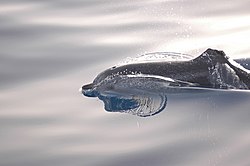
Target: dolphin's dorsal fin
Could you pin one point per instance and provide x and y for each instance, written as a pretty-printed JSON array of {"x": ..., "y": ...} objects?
[{"x": 212, "y": 56}]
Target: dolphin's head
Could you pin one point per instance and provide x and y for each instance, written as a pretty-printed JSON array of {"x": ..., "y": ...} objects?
[
  {"x": 101, "y": 82},
  {"x": 90, "y": 90},
  {"x": 108, "y": 73}
]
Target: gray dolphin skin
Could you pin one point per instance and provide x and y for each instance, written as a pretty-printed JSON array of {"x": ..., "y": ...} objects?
[{"x": 198, "y": 71}]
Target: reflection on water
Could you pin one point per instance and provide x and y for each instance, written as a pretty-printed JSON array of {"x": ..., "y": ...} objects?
[{"x": 48, "y": 48}]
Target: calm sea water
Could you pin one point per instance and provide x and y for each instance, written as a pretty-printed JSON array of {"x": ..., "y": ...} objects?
[{"x": 50, "y": 48}]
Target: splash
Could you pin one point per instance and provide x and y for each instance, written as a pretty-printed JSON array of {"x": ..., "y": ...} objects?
[{"x": 156, "y": 57}]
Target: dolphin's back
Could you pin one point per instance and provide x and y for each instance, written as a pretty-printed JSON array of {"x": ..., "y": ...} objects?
[
  {"x": 202, "y": 70},
  {"x": 189, "y": 71}
]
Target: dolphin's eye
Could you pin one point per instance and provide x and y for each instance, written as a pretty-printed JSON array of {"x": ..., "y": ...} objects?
[{"x": 111, "y": 87}]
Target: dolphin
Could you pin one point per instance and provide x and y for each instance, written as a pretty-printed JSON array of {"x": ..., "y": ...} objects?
[
  {"x": 141, "y": 88},
  {"x": 212, "y": 69}
]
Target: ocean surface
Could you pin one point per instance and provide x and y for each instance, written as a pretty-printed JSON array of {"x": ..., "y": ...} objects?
[{"x": 50, "y": 48}]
